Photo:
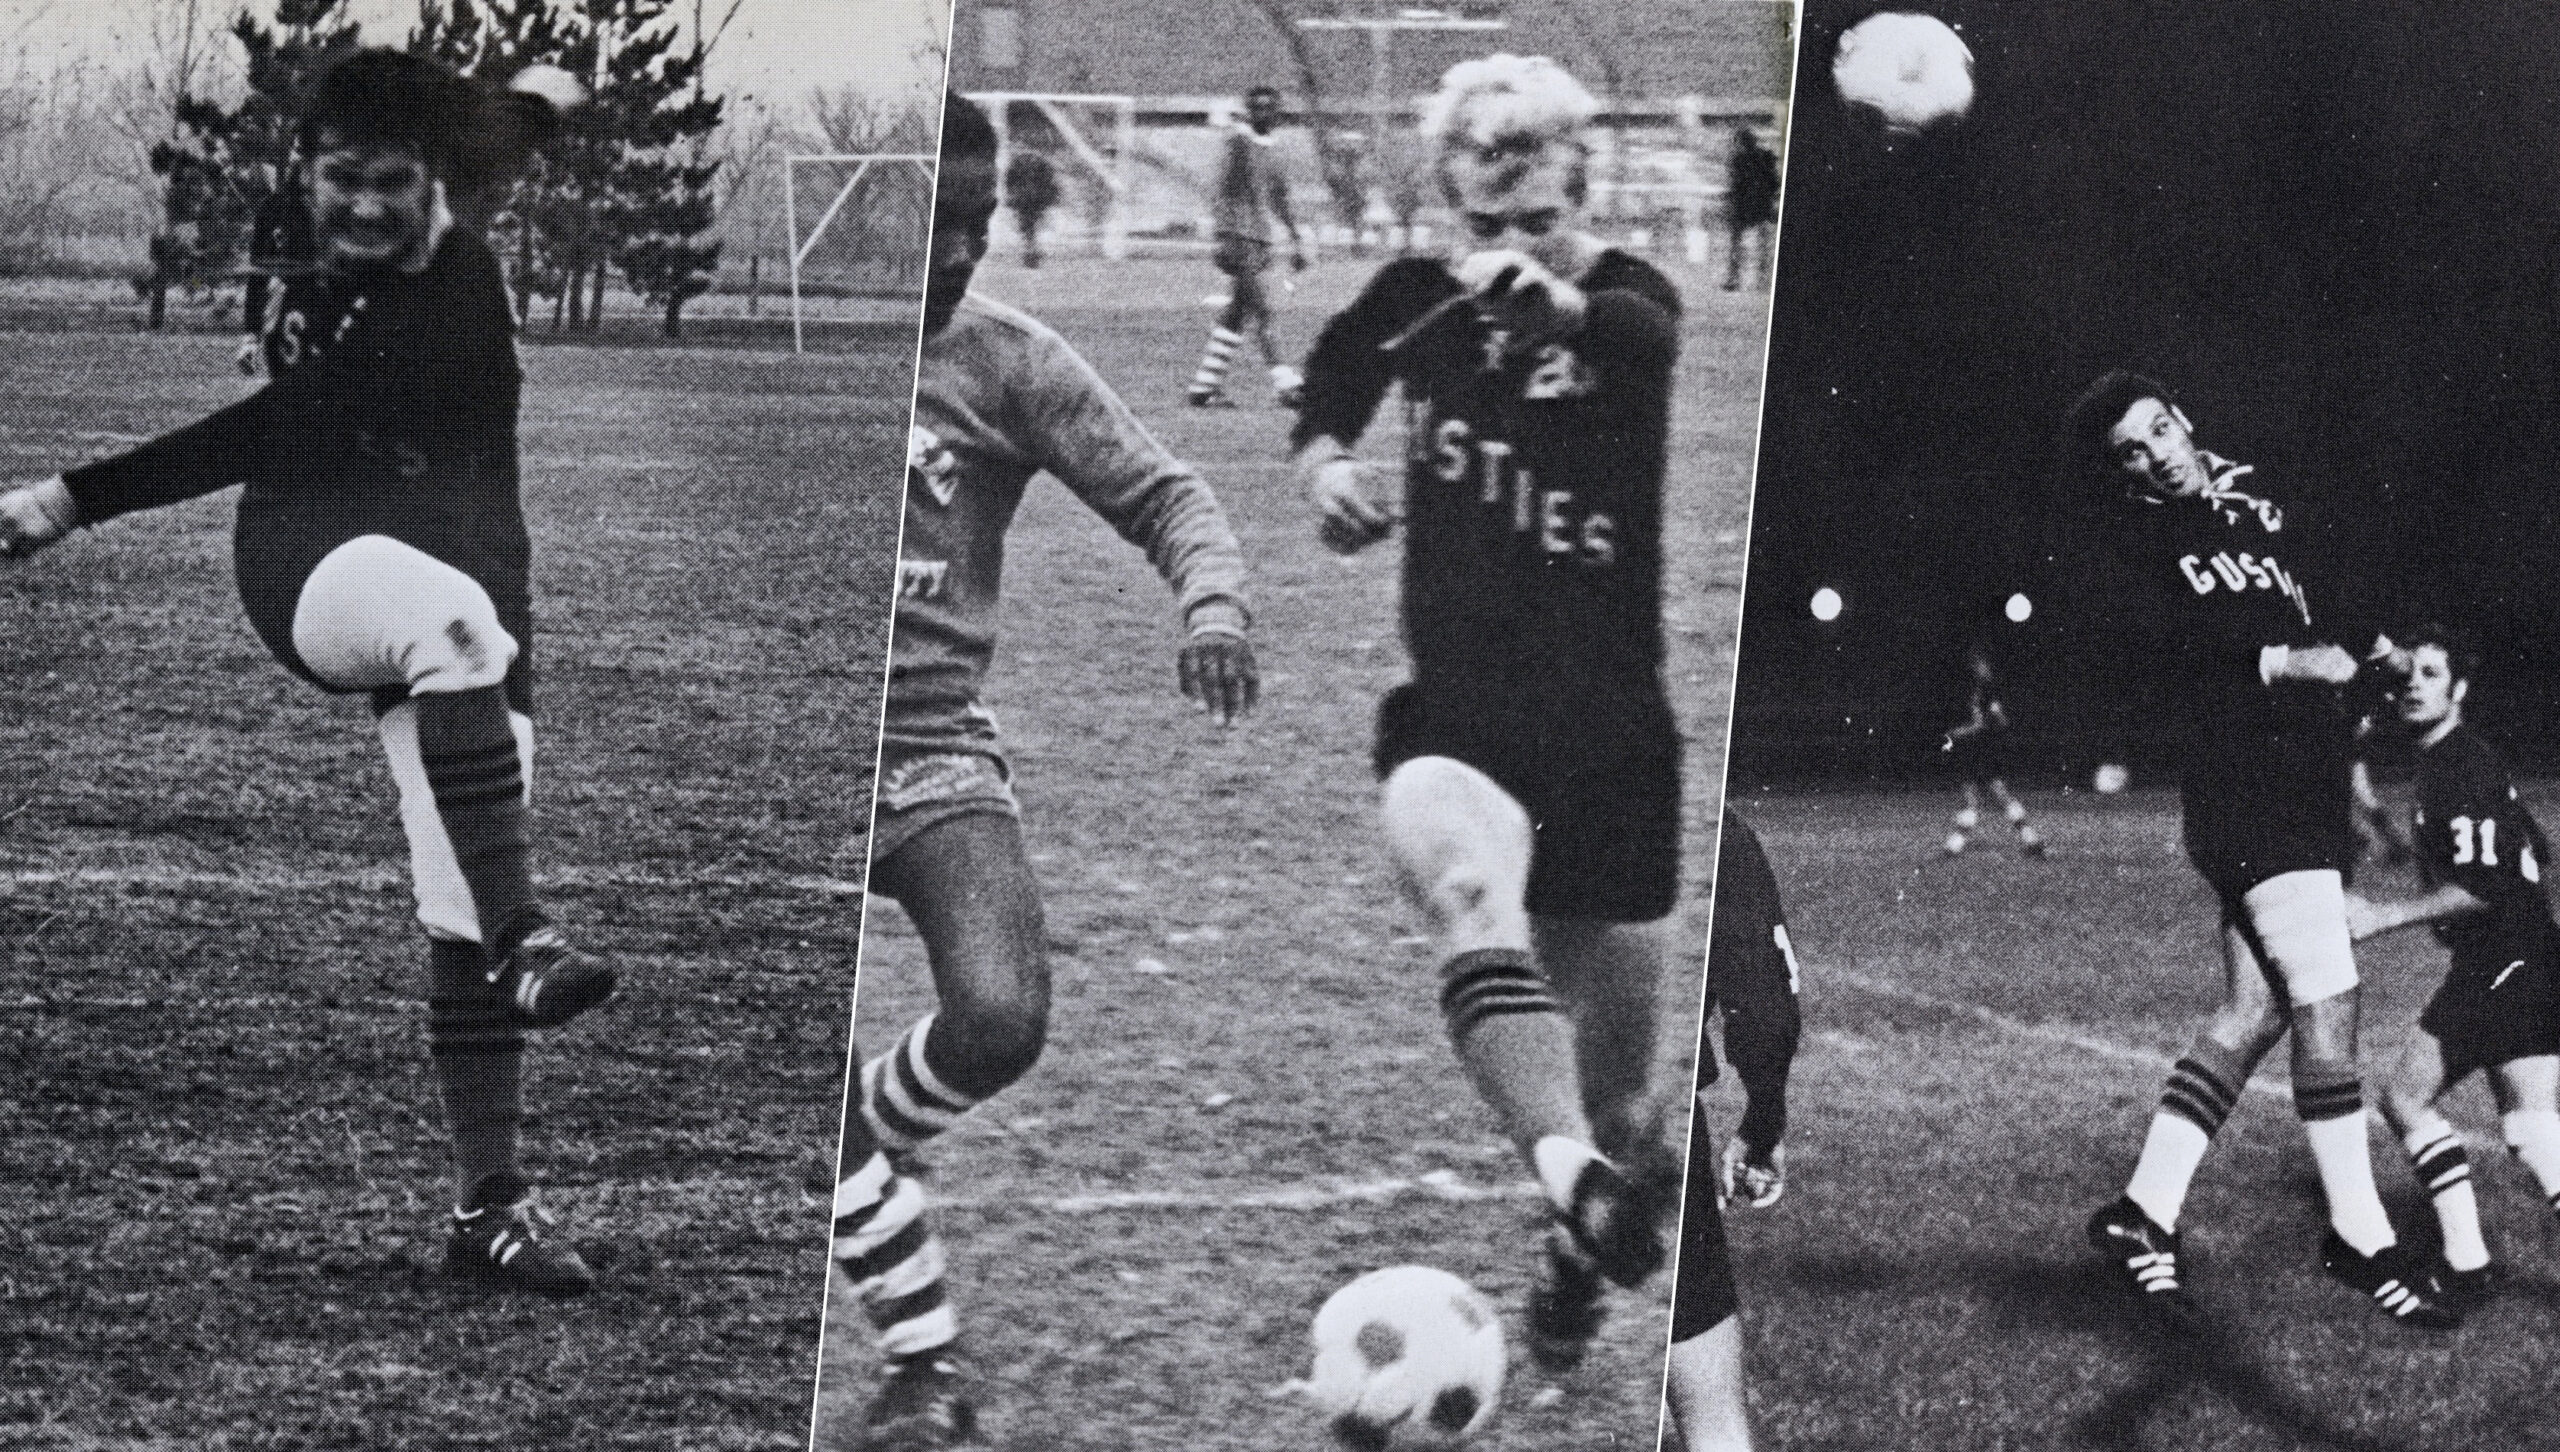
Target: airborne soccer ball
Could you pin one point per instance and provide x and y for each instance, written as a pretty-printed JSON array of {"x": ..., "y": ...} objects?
[
  {"x": 1407, "y": 1357},
  {"x": 1907, "y": 72}
]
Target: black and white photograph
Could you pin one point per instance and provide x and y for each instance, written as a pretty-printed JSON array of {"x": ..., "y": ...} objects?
[
  {"x": 393, "y": 388},
  {"x": 2146, "y": 704},
  {"x": 1296, "y": 811}
]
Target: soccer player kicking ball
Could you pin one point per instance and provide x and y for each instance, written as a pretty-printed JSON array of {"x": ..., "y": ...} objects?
[
  {"x": 2499, "y": 1009},
  {"x": 1751, "y": 974},
  {"x": 382, "y": 550},
  {"x": 2266, "y": 803},
  {"x": 999, "y": 398},
  {"x": 1979, "y": 746},
  {"x": 1251, "y": 195},
  {"x": 1532, "y": 770}
]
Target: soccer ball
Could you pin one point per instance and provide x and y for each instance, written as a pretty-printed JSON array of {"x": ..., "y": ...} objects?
[
  {"x": 2110, "y": 778},
  {"x": 1407, "y": 1357},
  {"x": 1906, "y": 72}
]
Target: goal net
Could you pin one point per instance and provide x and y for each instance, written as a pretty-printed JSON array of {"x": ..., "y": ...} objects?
[{"x": 859, "y": 226}]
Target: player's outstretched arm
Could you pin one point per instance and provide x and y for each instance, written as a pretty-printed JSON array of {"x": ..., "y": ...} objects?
[
  {"x": 2368, "y": 918},
  {"x": 1218, "y": 673},
  {"x": 1752, "y": 976},
  {"x": 35, "y": 515}
]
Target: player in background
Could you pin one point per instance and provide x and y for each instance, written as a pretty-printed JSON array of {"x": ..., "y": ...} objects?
[
  {"x": 1752, "y": 975},
  {"x": 1030, "y": 190},
  {"x": 381, "y": 550},
  {"x": 999, "y": 398},
  {"x": 1979, "y": 746},
  {"x": 2267, "y": 821},
  {"x": 2481, "y": 855},
  {"x": 1250, "y": 198},
  {"x": 1750, "y": 204},
  {"x": 1531, "y": 768}
]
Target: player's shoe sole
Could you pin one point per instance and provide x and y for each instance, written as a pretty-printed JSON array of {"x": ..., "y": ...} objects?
[
  {"x": 2143, "y": 1254},
  {"x": 498, "y": 1243},
  {"x": 922, "y": 1406},
  {"x": 546, "y": 982},
  {"x": 2393, "y": 1279}
]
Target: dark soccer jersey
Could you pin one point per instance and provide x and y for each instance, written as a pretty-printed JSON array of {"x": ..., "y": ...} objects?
[
  {"x": 2472, "y": 832},
  {"x": 1533, "y": 500},
  {"x": 2232, "y": 567},
  {"x": 392, "y": 412},
  {"x": 1751, "y": 974}
]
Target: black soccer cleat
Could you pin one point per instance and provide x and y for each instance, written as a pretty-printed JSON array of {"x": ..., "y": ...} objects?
[
  {"x": 546, "y": 982},
  {"x": 2466, "y": 1291},
  {"x": 922, "y": 1406},
  {"x": 497, "y": 1242},
  {"x": 1564, "y": 1307},
  {"x": 2394, "y": 1279},
  {"x": 2143, "y": 1253},
  {"x": 1615, "y": 1223},
  {"x": 1209, "y": 398}
]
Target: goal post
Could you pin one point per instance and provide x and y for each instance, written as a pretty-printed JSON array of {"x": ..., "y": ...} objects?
[
  {"x": 1100, "y": 136},
  {"x": 863, "y": 164}
]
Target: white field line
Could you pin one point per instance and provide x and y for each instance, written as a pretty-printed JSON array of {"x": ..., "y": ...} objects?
[
  {"x": 388, "y": 879},
  {"x": 2019, "y": 1028},
  {"x": 1442, "y": 1185}
]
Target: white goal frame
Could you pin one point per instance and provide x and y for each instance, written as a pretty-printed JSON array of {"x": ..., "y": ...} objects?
[
  {"x": 862, "y": 163},
  {"x": 1113, "y": 170}
]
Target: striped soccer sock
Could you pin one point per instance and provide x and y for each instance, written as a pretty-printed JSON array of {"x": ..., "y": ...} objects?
[
  {"x": 479, "y": 1059},
  {"x": 904, "y": 1101},
  {"x": 2332, "y": 1108},
  {"x": 893, "y": 1259},
  {"x": 2203, "y": 1089},
  {"x": 1216, "y": 360},
  {"x": 1516, "y": 1044},
  {"x": 468, "y": 744},
  {"x": 2444, "y": 1168}
]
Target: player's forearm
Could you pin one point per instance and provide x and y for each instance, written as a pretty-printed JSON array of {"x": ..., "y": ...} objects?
[
  {"x": 213, "y": 453},
  {"x": 2445, "y": 902}
]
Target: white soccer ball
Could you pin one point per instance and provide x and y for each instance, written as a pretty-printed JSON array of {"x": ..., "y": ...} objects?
[
  {"x": 2110, "y": 778},
  {"x": 1908, "y": 72},
  {"x": 552, "y": 84},
  {"x": 1407, "y": 1357}
]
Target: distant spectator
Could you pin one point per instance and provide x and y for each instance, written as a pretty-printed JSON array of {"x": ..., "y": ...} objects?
[
  {"x": 1031, "y": 189},
  {"x": 1751, "y": 203}
]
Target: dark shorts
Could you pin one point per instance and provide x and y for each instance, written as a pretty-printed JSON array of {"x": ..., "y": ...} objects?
[
  {"x": 2242, "y": 828},
  {"x": 2496, "y": 1008},
  {"x": 1981, "y": 758},
  {"x": 1704, "y": 1298},
  {"x": 1241, "y": 256},
  {"x": 921, "y": 788},
  {"x": 1604, "y": 804}
]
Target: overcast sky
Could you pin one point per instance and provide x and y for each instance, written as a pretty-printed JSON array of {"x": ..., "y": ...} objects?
[{"x": 776, "y": 50}]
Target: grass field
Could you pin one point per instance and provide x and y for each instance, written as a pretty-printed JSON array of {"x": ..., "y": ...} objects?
[
  {"x": 1248, "y": 1097},
  {"x": 221, "y": 1182},
  {"x": 1985, "y": 1043}
]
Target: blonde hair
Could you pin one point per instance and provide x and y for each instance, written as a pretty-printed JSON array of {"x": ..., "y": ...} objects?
[{"x": 1509, "y": 108}]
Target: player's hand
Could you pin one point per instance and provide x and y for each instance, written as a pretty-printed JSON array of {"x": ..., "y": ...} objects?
[
  {"x": 35, "y": 515},
  {"x": 2364, "y": 919},
  {"x": 245, "y": 357},
  {"x": 1218, "y": 674},
  {"x": 1347, "y": 520},
  {"x": 2326, "y": 665},
  {"x": 1521, "y": 293},
  {"x": 1756, "y": 1180},
  {"x": 2391, "y": 656}
]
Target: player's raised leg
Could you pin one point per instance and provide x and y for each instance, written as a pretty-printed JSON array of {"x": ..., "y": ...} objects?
[
  {"x": 2138, "y": 1233},
  {"x": 379, "y": 614},
  {"x": 967, "y": 885},
  {"x": 885, "y": 1245}
]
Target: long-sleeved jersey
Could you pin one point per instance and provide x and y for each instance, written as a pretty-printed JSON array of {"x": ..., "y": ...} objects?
[
  {"x": 1534, "y": 477},
  {"x": 1251, "y": 193},
  {"x": 392, "y": 411},
  {"x": 2473, "y": 832},
  {"x": 1000, "y": 398},
  {"x": 1751, "y": 974}
]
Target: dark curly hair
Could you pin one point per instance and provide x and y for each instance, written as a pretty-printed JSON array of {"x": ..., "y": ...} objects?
[
  {"x": 473, "y": 137},
  {"x": 2081, "y": 457}
]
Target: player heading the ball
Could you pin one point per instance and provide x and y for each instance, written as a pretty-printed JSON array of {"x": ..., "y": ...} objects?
[
  {"x": 2268, "y": 822},
  {"x": 999, "y": 399},
  {"x": 1531, "y": 767},
  {"x": 381, "y": 550}
]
